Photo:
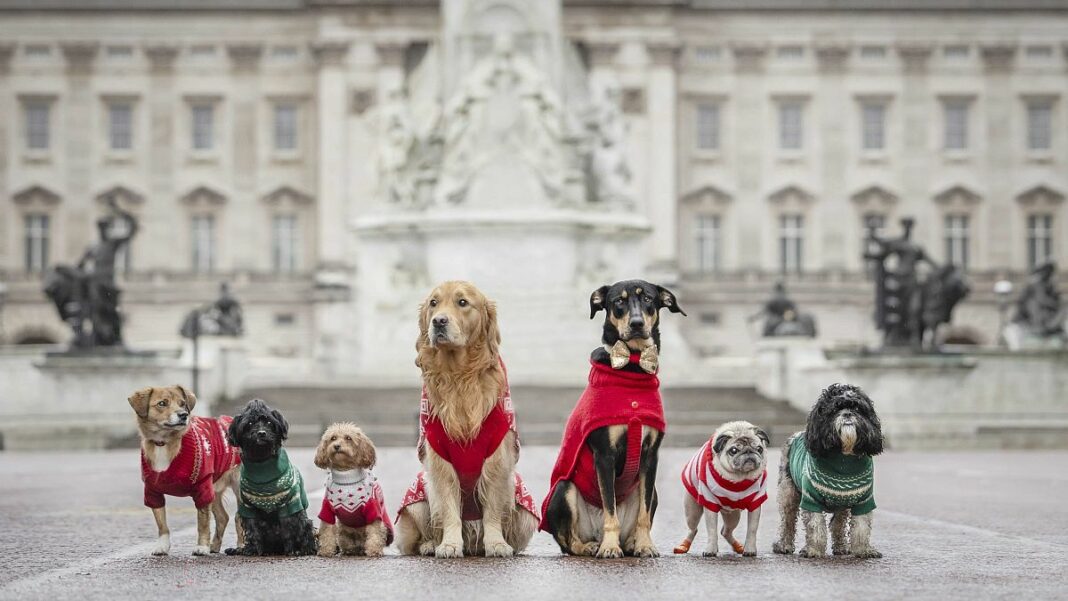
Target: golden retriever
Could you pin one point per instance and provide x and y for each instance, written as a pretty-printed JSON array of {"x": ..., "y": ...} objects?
[{"x": 463, "y": 377}]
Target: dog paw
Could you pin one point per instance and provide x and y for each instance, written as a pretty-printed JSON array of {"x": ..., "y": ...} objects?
[
  {"x": 499, "y": 549},
  {"x": 373, "y": 552},
  {"x": 235, "y": 551},
  {"x": 446, "y": 550},
  {"x": 709, "y": 553},
  {"x": 609, "y": 552},
  {"x": 812, "y": 553},
  {"x": 426, "y": 548},
  {"x": 163, "y": 546},
  {"x": 646, "y": 550},
  {"x": 782, "y": 549},
  {"x": 324, "y": 552},
  {"x": 588, "y": 549},
  {"x": 215, "y": 546},
  {"x": 749, "y": 553},
  {"x": 201, "y": 550},
  {"x": 868, "y": 553},
  {"x": 840, "y": 551}
]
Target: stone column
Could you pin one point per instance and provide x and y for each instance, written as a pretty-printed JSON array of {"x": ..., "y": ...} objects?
[
  {"x": 997, "y": 163},
  {"x": 749, "y": 213},
  {"x": 77, "y": 138},
  {"x": 834, "y": 108},
  {"x": 7, "y": 260},
  {"x": 160, "y": 155},
  {"x": 245, "y": 61},
  {"x": 662, "y": 203},
  {"x": 333, "y": 214},
  {"x": 917, "y": 154}
]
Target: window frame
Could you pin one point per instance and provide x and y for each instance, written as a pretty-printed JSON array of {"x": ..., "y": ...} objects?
[
  {"x": 703, "y": 242},
  {"x": 791, "y": 262},
  {"x": 202, "y": 263},
  {"x": 1032, "y": 240},
  {"x": 36, "y": 249},
  {"x": 285, "y": 249},
  {"x": 957, "y": 239}
]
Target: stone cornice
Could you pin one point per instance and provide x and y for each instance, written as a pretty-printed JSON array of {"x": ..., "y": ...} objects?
[
  {"x": 330, "y": 52},
  {"x": 79, "y": 55},
  {"x": 997, "y": 56},
  {"x": 391, "y": 53},
  {"x": 603, "y": 53},
  {"x": 915, "y": 54},
  {"x": 663, "y": 54},
  {"x": 245, "y": 56},
  {"x": 161, "y": 57},
  {"x": 832, "y": 56},
  {"x": 749, "y": 54}
]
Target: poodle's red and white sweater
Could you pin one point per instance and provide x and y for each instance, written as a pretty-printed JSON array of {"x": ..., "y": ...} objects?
[
  {"x": 354, "y": 498},
  {"x": 205, "y": 455},
  {"x": 468, "y": 457},
  {"x": 714, "y": 492}
]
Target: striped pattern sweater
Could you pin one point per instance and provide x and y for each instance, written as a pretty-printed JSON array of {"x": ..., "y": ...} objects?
[
  {"x": 272, "y": 487},
  {"x": 832, "y": 483}
]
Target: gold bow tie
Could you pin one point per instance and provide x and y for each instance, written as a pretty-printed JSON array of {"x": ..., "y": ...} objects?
[{"x": 619, "y": 355}]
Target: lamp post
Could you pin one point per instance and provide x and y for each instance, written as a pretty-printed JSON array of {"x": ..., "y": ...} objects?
[
  {"x": 1003, "y": 291},
  {"x": 3, "y": 298}
]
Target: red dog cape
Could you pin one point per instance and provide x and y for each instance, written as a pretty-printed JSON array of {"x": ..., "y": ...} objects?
[
  {"x": 612, "y": 397},
  {"x": 205, "y": 455},
  {"x": 468, "y": 457},
  {"x": 714, "y": 492}
]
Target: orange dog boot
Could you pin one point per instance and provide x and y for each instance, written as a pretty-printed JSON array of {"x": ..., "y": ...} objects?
[
  {"x": 739, "y": 548},
  {"x": 683, "y": 547}
]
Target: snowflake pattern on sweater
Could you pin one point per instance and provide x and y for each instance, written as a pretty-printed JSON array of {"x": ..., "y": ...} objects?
[{"x": 354, "y": 499}]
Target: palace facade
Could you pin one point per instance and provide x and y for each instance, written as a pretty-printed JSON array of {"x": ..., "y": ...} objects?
[{"x": 763, "y": 138}]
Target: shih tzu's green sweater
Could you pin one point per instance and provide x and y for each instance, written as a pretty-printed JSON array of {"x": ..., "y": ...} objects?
[
  {"x": 274, "y": 486},
  {"x": 832, "y": 483}
]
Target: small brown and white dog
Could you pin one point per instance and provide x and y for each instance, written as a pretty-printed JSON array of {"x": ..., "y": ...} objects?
[
  {"x": 726, "y": 477},
  {"x": 185, "y": 456},
  {"x": 353, "y": 518},
  {"x": 469, "y": 498}
]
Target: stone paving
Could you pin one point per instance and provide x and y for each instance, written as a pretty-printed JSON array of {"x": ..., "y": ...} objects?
[{"x": 965, "y": 525}]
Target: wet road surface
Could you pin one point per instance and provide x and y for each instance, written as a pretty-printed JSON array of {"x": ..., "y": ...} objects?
[{"x": 951, "y": 525}]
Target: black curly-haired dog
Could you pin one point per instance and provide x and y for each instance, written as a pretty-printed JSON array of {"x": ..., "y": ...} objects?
[
  {"x": 828, "y": 468},
  {"x": 272, "y": 503}
]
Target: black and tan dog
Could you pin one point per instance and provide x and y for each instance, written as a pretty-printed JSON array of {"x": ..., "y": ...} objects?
[{"x": 602, "y": 497}]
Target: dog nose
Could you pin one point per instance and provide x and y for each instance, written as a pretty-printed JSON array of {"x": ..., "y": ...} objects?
[
  {"x": 637, "y": 323},
  {"x": 261, "y": 434},
  {"x": 337, "y": 447},
  {"x": 441, "y": 321},
  {"x": 183, "y": 414}
]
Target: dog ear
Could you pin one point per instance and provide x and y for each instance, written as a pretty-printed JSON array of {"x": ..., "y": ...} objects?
[
  {"x": 190, "y": 398},
  {"x": 321, "y": 457},
  {"x": 668, "y": 301},
  {"x": 366, "y": 455},
  {"x": 139, "y": 401},
  {"x": 236, "y": 430},
  {"x": 762, "y": 435},
  {"x": 283, "y": 425},
  {"x": 597, "y": 300},
  {"x": 821, "y": 439},
  {"x": 490, "y": 330},
  {"x": 720, "y": 443}
]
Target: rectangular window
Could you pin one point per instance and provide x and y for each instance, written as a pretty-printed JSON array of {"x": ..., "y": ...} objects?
[
  {"x": 284, "y": 52},
  {"x": 707, "y": 126},
  {"x": 1039, "y": 125},
  {"x": 203, "y": 126},
  {"x": 873, "y": 126},
  {"x": 707, "y": 54},
  {"x": 36, "y": 235},
  {"x": 38, "y": 50},
  {"x": 956, "y": 124},
  {"x": 1039, "y": 239},
  {"x": 284, "y": 243},
  {"x": 203, "y": 235},
  {"x": 790, "y": 125},
  {"x": 792, "y": 52},
  {"x": 956, "y": 235},
  {"x": 37, "y": 125},
  {"x": 956, "y": 51},
  {"x": 707, "y": 236},
  {"x": 791, "y": 242},
  {"x": 121, "y": 52},
  {"x": 285, "y": 127},
  {"x": 120, "y": 125}
]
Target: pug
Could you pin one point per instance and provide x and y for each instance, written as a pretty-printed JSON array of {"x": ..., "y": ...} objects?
[{"x": 728, "y": 475}]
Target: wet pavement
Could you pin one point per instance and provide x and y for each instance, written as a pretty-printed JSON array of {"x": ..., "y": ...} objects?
[{"x": 950, "y": 525}]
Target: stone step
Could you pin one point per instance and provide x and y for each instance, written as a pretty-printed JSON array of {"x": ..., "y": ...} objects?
[{"x": 390, "y": 415}]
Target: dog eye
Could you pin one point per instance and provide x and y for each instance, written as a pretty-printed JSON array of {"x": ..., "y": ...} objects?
[
  {"x": 733, "y": 451},
  {"x": 433, "y": 302},
  {"x": 161, "y": 404},
  {"x": 648, "y": 299},
  {"x": 333, "y": 438},
  {"x": 462, "y": 302},
  {"x": 619, "y": 302},
  {"x": 348, "y": 438}
]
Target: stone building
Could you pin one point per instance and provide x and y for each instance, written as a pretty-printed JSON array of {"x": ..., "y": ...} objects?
[{"x": 264, "y": 142}]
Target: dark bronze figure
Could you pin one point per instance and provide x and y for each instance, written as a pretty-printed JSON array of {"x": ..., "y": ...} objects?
[
  {"x": 1040, "y": 308},
  {"x": 782, "y": 318}
]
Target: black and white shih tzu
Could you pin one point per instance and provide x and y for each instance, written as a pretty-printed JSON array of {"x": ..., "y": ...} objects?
[
  {"x": 272, "y": 503},
  {"x": 828, "y": 468}
]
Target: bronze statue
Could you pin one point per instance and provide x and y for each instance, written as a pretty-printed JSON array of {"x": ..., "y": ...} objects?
[
  {"x": 86, "y": 294},
  {"x": 781, "y": 317},
  {"x": 1040, "y": 308},
  {"x": 908, "y": 309},
  {"x": 221, "y": 318}
]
